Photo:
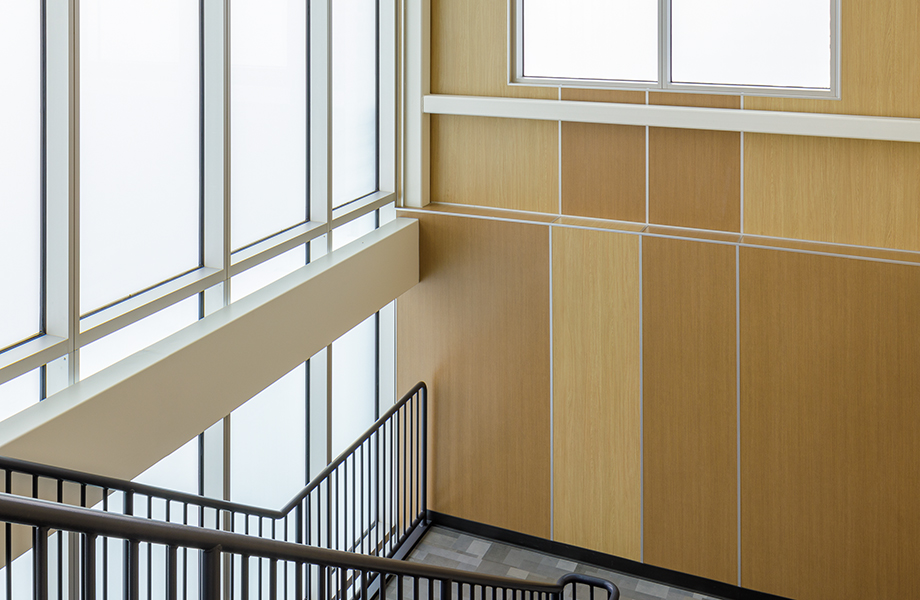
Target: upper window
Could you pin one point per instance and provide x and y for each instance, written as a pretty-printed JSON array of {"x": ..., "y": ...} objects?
[{"x": 780, "y": 47}]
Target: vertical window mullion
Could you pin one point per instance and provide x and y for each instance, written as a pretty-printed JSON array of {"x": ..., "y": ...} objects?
[
  {"x": 216, "y": 148},
  {"x": 664, "y": 44}
]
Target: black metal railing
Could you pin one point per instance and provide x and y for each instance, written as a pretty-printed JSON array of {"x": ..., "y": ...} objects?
[
  {"x": 295, "y": 571},
  {"x": 369, "y": 500}
]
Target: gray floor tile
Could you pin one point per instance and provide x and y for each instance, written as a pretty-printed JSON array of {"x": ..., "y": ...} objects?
[{"x": 446, "y": 547}]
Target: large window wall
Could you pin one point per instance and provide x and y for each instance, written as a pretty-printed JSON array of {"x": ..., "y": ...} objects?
[{"x": 163, "y": 160}]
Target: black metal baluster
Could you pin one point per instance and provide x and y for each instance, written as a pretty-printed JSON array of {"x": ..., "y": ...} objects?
[
  {"x": 131, "y": 555},
  {"x": 60, "y": 545},
  {"x": 244, "y": 577},
  {"x": 210, "y": 574},
  {"x": 172, "y": 571},
  {"x": 89, "y": 566},
  {"x": 273, "y": 579},
  {"x": 321, "y": 580},
  {"x": 423, "y": 471},
  {"x": 39, "y": 561},
  {"x": 149, "y": 552}
]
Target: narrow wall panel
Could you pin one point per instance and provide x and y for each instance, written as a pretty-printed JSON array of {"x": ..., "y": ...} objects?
[
  {"x": 880, "y": 73},
  {"x": 499, "y": 163},
  {"x": 695, "y": 178},
  {"x": 597, "y": 372},
  {"x": 603, "y": 171},
  {"x": 476, "y": 329},
  {"x": 689, "y": 407},
  {"x": 841, "y": 191},
  {"x": 830, "y": 452},
  {"x": 469, "y": 51}
]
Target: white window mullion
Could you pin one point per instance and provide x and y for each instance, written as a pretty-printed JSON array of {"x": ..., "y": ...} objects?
[
  {"x": 386, "y": 94},
  {"x": 321, "y": 114},
  {"x": 216, "y": 140},
  {"x": 664, "y": 44},
  {"x": 61, "y": 190}
]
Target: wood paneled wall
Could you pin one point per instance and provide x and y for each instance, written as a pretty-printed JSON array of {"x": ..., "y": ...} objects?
[
  {"x": 827, "y": 477},
  {"x": 476, "y": 329},
  {"x": 689, "y": 399},
  {"x": 597, "y": 374},
  {"x": 830, "y": 452}
]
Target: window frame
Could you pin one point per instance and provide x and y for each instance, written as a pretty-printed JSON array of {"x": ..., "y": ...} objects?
[
  {"x": 516, "y": 64},
  {"x": 67, "y": 328}
]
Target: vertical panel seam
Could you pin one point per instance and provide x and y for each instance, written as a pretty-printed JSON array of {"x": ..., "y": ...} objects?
[
  {"x": 738, "y": 397},
  {"x": 641, "y": 413},
  {"x": 552, "y": 473}
]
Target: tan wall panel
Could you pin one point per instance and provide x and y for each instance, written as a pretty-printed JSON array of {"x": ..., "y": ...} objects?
[
  {"x": 500, "y": 163},
  {"x": 695, "y": 178},
  {"x": 597, "y": 372},
  {"x": 830, "y": 452},
  {"x": 603, "y": 171},
  {"x": 880, "y": 70},
  {"x": 690, "y": 407},
  {"x": 476, "y": 328},
  {"x": 695, "y": 100},
  {"x": 469, "y": 51},
  {"x": 600, "y": 95},
  {"x": 833, "y": 190}
]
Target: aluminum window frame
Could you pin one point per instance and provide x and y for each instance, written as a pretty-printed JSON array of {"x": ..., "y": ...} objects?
[
  {"x": 515, "y": 62},
  {"x": 66, "y": 329}
]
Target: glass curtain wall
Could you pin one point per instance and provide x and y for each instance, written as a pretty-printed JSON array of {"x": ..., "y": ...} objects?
[{"x": 120, "y": 244}]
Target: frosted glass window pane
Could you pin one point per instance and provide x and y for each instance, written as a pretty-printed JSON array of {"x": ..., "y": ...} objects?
[
  {"x": 317, "y": 425},
  {"x": 268, "y": 117},
  {"x": 354, "y": 100},
  {"x": 20, "y": 393},
  {"x": 388, "y": 392},
  {"x": 258, "y": 277},
  {"x": 178, "y": 471},
  {"x": 20, "y": 171},
  {"x": 137, "y": 336},
  {"x": 268, "y": 443},
  {"x": 139, "y": 144},
  {"x": 771, "y": 43},
  {"x": 591, "y": 39},
  {"x": 354, "y": 384},
  {"x": 352, "y": 230}
]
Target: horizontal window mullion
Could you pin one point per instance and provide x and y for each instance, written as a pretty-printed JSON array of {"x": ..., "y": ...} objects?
[
  {"x": 30, "y": 355},
  {"x": 137, "y": 307}
]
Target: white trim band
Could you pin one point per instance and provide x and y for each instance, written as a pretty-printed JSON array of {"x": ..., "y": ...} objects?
[{"x": 715, "y": 119}]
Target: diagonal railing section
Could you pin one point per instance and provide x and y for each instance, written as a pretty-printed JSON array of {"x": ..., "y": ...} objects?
[
  {"x": 294, "y": 571},
  {"x": 370, "y": 500}
]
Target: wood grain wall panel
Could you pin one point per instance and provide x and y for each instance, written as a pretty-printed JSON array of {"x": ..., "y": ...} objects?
[
  {"x": 601, "y": 95},
  {"x": 469, "y": 51},
  {"x": 476, "y": 329},
  {"x": 695, "y": 178},
  {"x": 500, "y": 163},
  {"x": 833, "y": 190},
  {"x": 830, "y": 452},
  {"x": 603, "y": 171},
  {"x": 690, "y": 407},
  {"x": 695, "y": 100},
  {"x": 880, "y": 73},
  {"x": 597, "y": 373}
]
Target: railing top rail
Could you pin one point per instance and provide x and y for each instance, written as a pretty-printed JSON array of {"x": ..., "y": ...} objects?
[
  {"x": 42, "y": 513},
  {"x": 122, "y": 485}
]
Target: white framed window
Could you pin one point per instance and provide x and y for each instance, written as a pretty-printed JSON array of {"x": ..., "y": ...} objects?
[
  {"x": 758, "y": 47},
  {"x": 145, "y": 185}
]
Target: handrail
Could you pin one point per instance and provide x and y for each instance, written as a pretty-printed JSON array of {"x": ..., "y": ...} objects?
[
  {"x": 44, "y": 515},
  {"x": 123, "y": 485}
]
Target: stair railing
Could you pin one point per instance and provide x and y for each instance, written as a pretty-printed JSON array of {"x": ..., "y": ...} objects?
[
  {"x": 371, "y": 499},
  {"x": 295, "y": 571}
]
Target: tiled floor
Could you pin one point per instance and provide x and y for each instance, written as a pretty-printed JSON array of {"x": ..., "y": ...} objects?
[{"x": 449, "y": 548}]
